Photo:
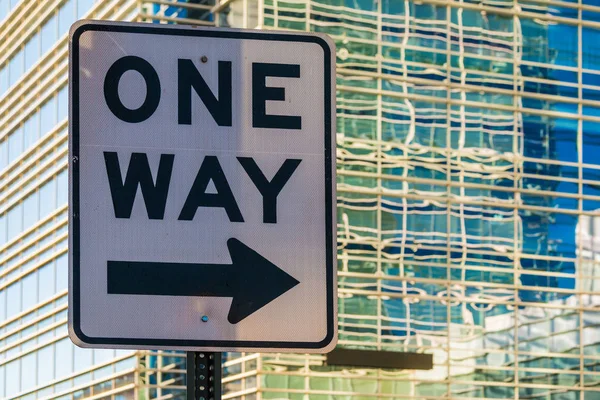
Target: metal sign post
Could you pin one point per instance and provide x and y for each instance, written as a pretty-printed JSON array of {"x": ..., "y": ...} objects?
[{"x": 203, "y": 375}]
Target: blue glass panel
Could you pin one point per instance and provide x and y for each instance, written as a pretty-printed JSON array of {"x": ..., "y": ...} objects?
[
  {"x": 3, "y": 153},
  {"x": 4, "y": 7},
  {"x": 66, "y": 16},
  {"x": 591, "y": 142},
  {"x": 63, "y": 103},
  {"x": 64, "y": 358},
  {"x": 103, "y": 355},
  {"x": 28, "y": 368},
  {"x": 48, "y": 116},
  {"x": 46, "y": 282},
  {"x": 49, "y": 34},
  {"x": 125, "y": 364},
  {"x": 45, "y": 365},
  {"x": 47, "y": 198},
  {"x": 2, "y": 304},
  {"x": 591, "y": 47},
  {"x": 83, "y": 6},
  {"x": 82, "y": 358},
  {"x": 3, "y": 79},
  {"x": 32, "y": 51},
  {"x": 29, "y": 288},
  {"x": 13, "y": 299},
  {"x": 16, "y": 67},
  {"x": 31, "y": 130},
  {"x": 62, "y": 273},
  {"x": 2, "y": 381},
  {"x": 13, "y": 377},
  {"x": 30, "y": 210},
  {"x": 15, "y": 144},
  {"x": 62, "y": 188},
  {"x": 15, "y": 221},
  {"x": 2, "y": 229},
  {"x": 564, "y": 42}
]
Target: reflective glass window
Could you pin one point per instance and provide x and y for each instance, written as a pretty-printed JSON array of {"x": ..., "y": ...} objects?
[
  {"x": 3, "y": 79},
  {"x": 83, "y": 6},
  {"x": 3, "y": 153},
  {"x": 2, "y": 305},
  {"x": 13, "y": 375},
  {"x": 62, "y": 187},
  {"x": 66, "y": 16},
  {"x": 2, "y": 229},
  {"x": 62, "y": 274},
  {"x": 32, "y": 51},
  {"x": 103, "y": 355},
  {"x": 13, "y": 299},
  {"x": 28, "y": 370},
  {"x": 15, "y": 67},
  {"x": 64, "y": 358},
  {"x": 47, "y": 198},
  {"x": 48, "y": 34},
  {"x": 15, "y": 144},
  {"x": 29, "y": 289},
  {"x": 30, "y": 210},
  {"x": 2, "y": 385},
  {"x": 82, "y": 358},
  {"x": 48, "y": 116},
  {"x": 63, "y": 103},
  {"x": 15, "y": 221},
  {"x": 45, "y": 366},
  {"x": 4, "y": 7},
  {"x": 31, "y": 130},
  {"x": 46, "y": 284}
]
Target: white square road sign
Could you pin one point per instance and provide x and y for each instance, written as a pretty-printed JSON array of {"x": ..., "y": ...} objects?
[{"x": 202, "y": 197}]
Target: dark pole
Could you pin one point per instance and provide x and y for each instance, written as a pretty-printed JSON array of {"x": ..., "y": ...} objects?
[{"x": 203, "y": 376}]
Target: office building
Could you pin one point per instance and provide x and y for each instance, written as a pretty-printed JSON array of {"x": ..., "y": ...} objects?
[{"x": 467, "y": 196}]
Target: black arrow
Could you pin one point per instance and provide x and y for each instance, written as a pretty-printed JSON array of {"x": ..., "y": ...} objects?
[{"x": 252, "y": 280}]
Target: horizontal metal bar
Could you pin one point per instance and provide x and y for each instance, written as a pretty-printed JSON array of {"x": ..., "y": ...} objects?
[{"x": 378, "y": 359}]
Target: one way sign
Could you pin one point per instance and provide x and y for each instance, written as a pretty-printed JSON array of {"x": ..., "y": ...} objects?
[{"x": 202, "y": 189}]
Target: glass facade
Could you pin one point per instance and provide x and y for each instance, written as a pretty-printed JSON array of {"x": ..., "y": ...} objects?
[
  {"x": 468, "y": 205},
  {"x": 468, "y": 201}
]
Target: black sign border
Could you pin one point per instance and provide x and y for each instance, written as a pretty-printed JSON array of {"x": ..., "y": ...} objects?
[{"x": 74, "y": 230}]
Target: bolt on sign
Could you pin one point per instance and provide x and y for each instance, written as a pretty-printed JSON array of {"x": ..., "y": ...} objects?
[{"x": 202, "y": 188}]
